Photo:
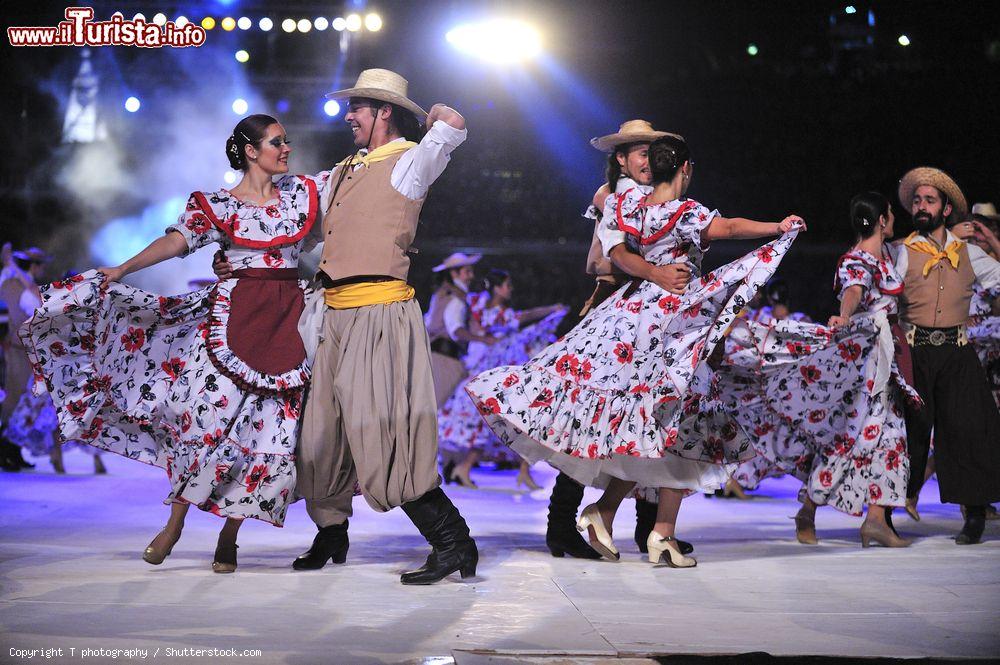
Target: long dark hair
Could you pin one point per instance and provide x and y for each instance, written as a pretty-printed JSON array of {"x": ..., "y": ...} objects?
[
  {"x": 494, "y": 278},
  {"x": 248, "y": 131},
  {"x": 614, "y": 171},
  {"x": 866, "y": 209}
]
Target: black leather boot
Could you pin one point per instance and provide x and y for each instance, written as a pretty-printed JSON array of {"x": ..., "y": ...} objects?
[
  {"x": 11, "y": 458},
  {"x": 975, "y": 522},
  {"x": 645, "y": 518},
  {"x": 454, "y": 550},
  {"x": 330, "y": 544},
  {"x": 561, "y": 536}
]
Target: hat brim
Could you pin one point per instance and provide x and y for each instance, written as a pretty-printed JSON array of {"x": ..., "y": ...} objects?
[
  {"x": 926, "y": 175},
  {"x": 36, "y": 258},
  {"x": 607, "y": 144},
  {"x": 382, "y": 96},
  {"x": 468, "y": 261}
]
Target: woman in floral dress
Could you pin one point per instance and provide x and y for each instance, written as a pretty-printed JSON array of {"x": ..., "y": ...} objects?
[
  {"x": 461, "y": 431},
  {"x": 626, "y": 396},
  {"x": 207, "y": 385},
  {"x": 831, "y": 400}
]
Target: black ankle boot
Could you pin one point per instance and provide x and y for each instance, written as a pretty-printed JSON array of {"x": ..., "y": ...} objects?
[
  {"x": 645, "y": 518},
  {"x": 330, "y": 544},
  {"x": 454, "y": 550},
  {"x": 975, "y": 522},
  {"x": 561, "y": 536},
  {"x": 11, "y": 458}
]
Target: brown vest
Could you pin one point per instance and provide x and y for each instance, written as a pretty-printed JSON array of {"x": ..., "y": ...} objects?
[
  {"x": 369, "y": 226},
  {"x": 434, "y": 320},
  {"x": 940, "y": 300}
]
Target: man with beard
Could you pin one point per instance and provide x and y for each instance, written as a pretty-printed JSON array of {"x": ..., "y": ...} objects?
[
  {"x": 628, "y": 168},
  {"x": 940, "y": 271}
]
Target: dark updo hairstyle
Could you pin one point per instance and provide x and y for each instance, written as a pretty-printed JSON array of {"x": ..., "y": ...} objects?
[
  {"x": 494, "y": 278},
  {"x": 865, "y": 212},
  {"x": 249, "y": 131},
  {"x": 666, "y": 156}
]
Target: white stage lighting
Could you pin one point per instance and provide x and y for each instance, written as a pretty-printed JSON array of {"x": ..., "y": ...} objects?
[
  {"x": 499, "y": 40},
  {"x": 181, "y": 21},
  {"x": 240, "y": 106},
  {"x": 903, "y": 40},
  {"x": 331, "y": 108},
  {"x": 320, "y": 23},
  {"x": 229, "y": 177},
  {"x": 244, "y": 23},
  {"x": 353, "y": 22},
  {"x": 339, "y": 24},
  {"x": 373, "y": 22},
  {"x": 305, "y": 25},
  {"x": 288, "y": 25},
  {"x": 132, "y": 104},
  {"x": 265, "y": 24},
  {"x": 160, "y": 19},
  {"x": 242, "y": 56}
]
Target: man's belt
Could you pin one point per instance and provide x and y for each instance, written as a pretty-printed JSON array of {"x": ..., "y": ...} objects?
[
  {"x": 920, "y": 336},
  {"x": 446, "y": 347}
]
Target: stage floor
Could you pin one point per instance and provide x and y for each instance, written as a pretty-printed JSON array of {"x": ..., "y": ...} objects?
[{"x": 72, "y": 577}]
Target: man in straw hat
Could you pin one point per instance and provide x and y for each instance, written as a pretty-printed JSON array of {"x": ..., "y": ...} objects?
[
  {"x": 628, "y": 167},
  {"x": 371, "y": 414},
  {"x": 21, "y": 272},
  {"x": 447, "y": 321},
  {"x": 939, "y": 272}
]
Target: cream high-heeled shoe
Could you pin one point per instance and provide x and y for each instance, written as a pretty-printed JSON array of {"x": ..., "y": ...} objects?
[
  {"x": 524, "y": 478},
  {"x": 156, "y": 553},
  {"x": 660, "y": 545},
  {"x": 600, "y": 539}
]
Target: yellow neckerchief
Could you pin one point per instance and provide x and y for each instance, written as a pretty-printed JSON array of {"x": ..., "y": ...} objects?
[
  {"x": 924, "y": 247},
  {"x": 362, "y": 294},
  {"x": 379, "y": 154}
]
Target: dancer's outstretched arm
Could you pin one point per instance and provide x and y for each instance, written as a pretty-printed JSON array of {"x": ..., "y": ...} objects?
[
  {"x": 848, "y": 305},
  {"x": 731, "y": 228},
  {"x": 168, "y": 246}
]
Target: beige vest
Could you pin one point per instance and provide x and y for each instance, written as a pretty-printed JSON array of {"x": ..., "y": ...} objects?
[
  {"x": 434, "y": 320},
  {"x": 940, "y": 300},
  {"x": 369, "y": 226}
]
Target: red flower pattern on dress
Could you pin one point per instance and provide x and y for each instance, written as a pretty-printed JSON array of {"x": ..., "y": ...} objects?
[
  {"x": 826, "y": 478},
  {"x": 257, "y": 475},
  {"x": 567, "y": 364},
  {"x": 849, "y": 351},
  {"x": 810, "y": 373},
  {"x": 623, "y": 352},
  {"x": 272, "y": 211},
  {"x": 544, "y": 398},
  {"x": 134, "y": 339},
  {"x": 489, "y": 407},
  {"x": 173, "y": 368},
  {"x": 872, "y": 431},
  {"x": 511, "y": 380},
  {"x": 57, "y": 349},
  {"x": 875, "y": 492},
  {"x": 198, "y": 223},
  {"x": 273, "y": 258}
]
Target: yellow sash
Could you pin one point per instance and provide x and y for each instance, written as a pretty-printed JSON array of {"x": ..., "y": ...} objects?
[
  {"x": 380, "y": 153},
  {"x": 937, "y": 255},
  {"x": 362, "y": 294}
]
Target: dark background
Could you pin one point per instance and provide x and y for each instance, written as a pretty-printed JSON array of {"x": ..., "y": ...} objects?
[{"x": 828, "y": 108}]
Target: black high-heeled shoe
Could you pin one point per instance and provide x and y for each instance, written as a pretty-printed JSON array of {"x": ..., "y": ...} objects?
[
  {"x": 225, "y": 558},
  {"x": 446, "y": 472}
]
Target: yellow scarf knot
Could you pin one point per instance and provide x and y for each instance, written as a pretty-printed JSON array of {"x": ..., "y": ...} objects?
[
  {"x": 937, "y": 255},
  {"x": 379, "y": 154}
]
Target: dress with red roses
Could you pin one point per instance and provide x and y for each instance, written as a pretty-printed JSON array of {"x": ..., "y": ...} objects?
[
  {"x": 155, "y": 378},
  {"x": 829, "y": 403},
  {"x": 628, "y": 393},
  {"x": 460, "y": 428}
]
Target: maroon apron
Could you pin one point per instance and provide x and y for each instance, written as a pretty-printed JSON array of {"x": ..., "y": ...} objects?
[{"x": 265, "y": 307}]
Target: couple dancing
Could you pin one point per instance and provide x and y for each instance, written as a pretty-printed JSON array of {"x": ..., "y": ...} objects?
[{"x": 217, "y": 387}]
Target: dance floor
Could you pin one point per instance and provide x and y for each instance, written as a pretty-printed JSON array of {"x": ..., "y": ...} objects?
[{"x": 72, "y": 578}]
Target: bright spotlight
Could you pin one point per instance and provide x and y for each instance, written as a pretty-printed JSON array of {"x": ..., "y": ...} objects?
[
  {"x": 339, "y": 24},
  {"x": 181, "y": 21},
  {"x": 244, "y": 23},
  {"x": 139, "y": 17},
  {"x": 288, "y": 25},
  {"x": 500, "y": 40},
  {"x": 850, "y": 9},
  {"x": 353, "y": 22},
  {"x": 321, "y": 23},
  {"x": 229, "y": 177},
  {"x": 242, "y": 56},
  {"x": 208, "y": 22},
  {"x": 305, "y": 25},
  {"x": 265, "y": 24},
  {"x": 373, "y": 22},
  {"x": 132, "y": 104},
  {"x": 903, "y": 40},
  {"x": 228, "y": 23},
  {"x": 331, "y": 108},
  {"x": 752, "y": 49},
  {"x": 240, "y": 106},
  {"x": 160, "y": 18}
]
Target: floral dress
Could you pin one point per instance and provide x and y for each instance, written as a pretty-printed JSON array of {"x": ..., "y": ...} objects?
[
  {"x": 207, "y": 385},
  {"x": 984, "y": 335},
  {"x": 460, "y": 427},
  {"x": 628, "y": 393},
  {"x": 829, "y": 404}
]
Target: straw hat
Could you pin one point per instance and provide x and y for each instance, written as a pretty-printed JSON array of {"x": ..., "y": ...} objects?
[
  {"x": 631, "y": 131},
  {"x": 457, "y": 260},
  {"x": 986, "y": 210},
  {"x": 383, "y": 85},
  {"x": 33, "y": 254},
  {"x": 926, "y": 175}
]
